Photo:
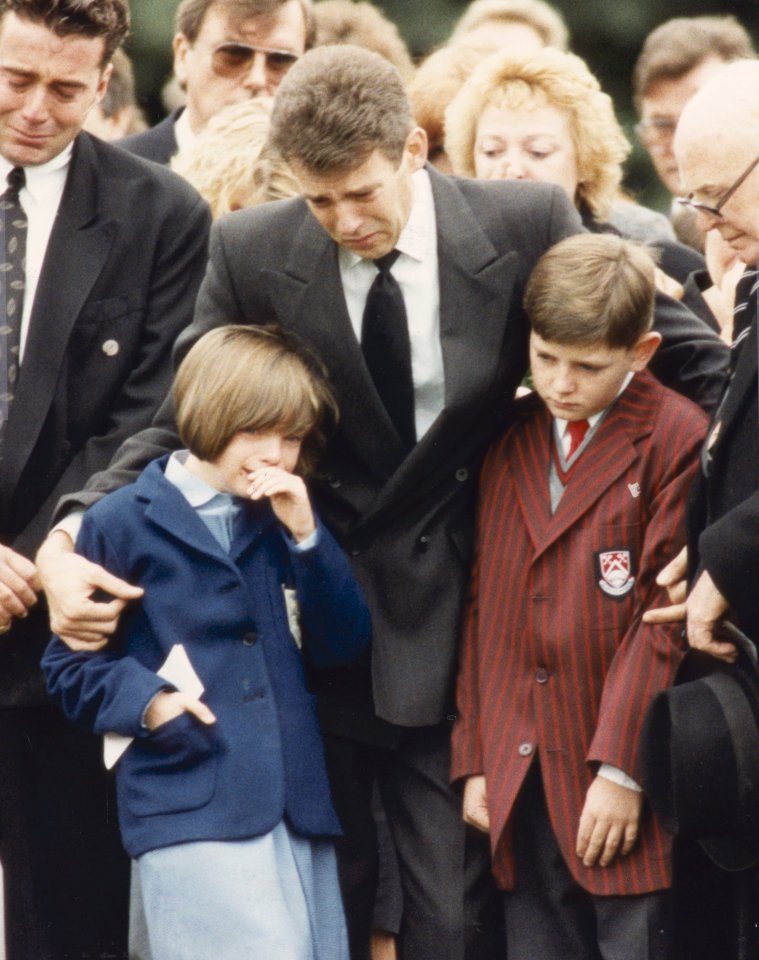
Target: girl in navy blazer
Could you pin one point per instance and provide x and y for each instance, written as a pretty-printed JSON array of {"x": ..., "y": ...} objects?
[{"x": 224, "y": 801}]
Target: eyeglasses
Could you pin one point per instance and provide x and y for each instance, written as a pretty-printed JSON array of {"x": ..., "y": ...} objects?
[
  {"x": 234, "y": 59},
  {"x": 655, "y": 131},
  {"x": 716, "y": 210}
]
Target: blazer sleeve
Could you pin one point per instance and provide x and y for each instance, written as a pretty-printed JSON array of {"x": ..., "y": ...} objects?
[
  {"x": 649, "y": 654},
  {"x": 104, "y": 690},
  {"x": 334, "y": 614}
]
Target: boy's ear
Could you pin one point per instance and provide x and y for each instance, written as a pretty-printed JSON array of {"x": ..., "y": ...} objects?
[{"x": 644, "y": 349}]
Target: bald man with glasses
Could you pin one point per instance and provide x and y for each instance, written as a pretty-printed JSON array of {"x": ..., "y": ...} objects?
[
  {"x": 717, "y": 150},
  {"x": 225, "y": 52}
]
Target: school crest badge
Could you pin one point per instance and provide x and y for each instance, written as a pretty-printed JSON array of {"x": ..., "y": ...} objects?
[{"x": 616, "y": 574}]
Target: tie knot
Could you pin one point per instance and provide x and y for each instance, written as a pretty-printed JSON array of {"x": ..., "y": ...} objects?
[
  {"x": 577, "y": 430},
  {"x": 16, "y": 179},
  {"x": 383, "y": 264}
]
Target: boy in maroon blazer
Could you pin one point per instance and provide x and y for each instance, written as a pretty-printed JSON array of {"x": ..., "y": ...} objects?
[{"x": 580, "y": 503}]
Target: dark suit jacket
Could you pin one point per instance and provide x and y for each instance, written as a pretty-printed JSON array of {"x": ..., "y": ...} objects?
[
  {"x": 723, "y": 510},
  {"x": 158, "y": 144},
  {"x": 118, "y": 283},
  {"x": 407, "y": 523},
  {"x": 555, "y": 660}
]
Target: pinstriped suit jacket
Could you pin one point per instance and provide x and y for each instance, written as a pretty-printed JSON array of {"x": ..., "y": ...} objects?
[{"x": 555, "y": 660}]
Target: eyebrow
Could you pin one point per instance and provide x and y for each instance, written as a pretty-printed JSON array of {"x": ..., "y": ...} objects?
[
  {"x": 30, "y": 75},
  {"x": 349, "y": 193}
]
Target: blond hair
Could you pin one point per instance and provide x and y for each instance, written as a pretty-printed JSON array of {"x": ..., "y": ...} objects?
[
  {"x": 247, "y": 378},
  {"x": 231, "y": 164},
  {"x": 542, "y": 17},
  {"x": 345, "y": 21},
  {"x": 551, "y": 78}
]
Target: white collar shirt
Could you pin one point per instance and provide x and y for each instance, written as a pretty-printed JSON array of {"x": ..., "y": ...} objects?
[{"x": 416, "y": 271}]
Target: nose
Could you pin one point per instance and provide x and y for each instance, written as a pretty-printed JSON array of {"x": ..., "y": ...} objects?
[
  {"x": 564, "y": 382},
  {"x": 347, "y": 220},
  {"x": 271, "y": 452},
  {"x": 257, "y": 78},
  {"x": 35, "y": 109},
  {"x": 706, "y": 221},
  {"x": 512, "y": 167}
]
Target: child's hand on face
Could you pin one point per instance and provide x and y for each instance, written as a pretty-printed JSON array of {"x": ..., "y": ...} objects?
[
  {"x": 609, "y": 822},
  {"x": 288, "y": 496},
  {"x": 167, "y": 705}
]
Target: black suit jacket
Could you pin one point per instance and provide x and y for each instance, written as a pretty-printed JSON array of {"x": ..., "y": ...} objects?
[
  {"x": 118, "y": 283},
  {"x": 723, "y": 515},
  {"x": 408, "y": 528},
  {"x": 158, "y": 144}
]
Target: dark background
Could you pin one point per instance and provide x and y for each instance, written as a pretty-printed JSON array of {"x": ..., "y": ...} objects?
[{"x": 607, "y": 33}]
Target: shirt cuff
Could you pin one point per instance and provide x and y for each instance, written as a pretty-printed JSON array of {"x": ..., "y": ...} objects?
[
  {"x": 608, "y": 772},
  {"x": 308, "y": 544},
  {"x": 70, "y": 524}
]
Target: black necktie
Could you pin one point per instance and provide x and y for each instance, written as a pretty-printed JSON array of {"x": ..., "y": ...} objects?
[
  {"x": 387, "y": 348},
  {"x": 13, "y": 224}
]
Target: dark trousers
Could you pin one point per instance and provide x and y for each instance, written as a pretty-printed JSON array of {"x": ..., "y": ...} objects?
[
  {"x": 65, "y": 875},
  {"x": 551, "y": 917},
  {"x": 451, "y": 907}
]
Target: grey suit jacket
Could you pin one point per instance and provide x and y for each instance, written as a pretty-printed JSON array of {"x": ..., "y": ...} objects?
[{"x": 406, "y": 522}]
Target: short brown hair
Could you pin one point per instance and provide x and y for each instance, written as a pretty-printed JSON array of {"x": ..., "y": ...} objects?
[
  {"x": 542, "y": 17},
  {"x": 679, "y": 45},
  {"x": 191, "y": 13},
  {"x": 592, "y": 288},
  {"x": 336, "y": 106},
  {"x": 345, "y": 21},
  {"x": 242, "y": 377},
  {"x": 106, "y": 19}
]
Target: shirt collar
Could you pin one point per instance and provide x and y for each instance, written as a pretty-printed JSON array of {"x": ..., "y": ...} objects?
[
  {"x": 183, "y": 132},
  {"x": 43, "y": 177},
  {"x": 416, "y": 237},
  {"x": 196, "y": 491}
]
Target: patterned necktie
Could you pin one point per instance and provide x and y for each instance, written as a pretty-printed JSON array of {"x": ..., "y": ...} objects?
[
  {"x": 13, "y": 224},
  {"x": 387, "y": 348},
  {"x": 577, "y": 430}
]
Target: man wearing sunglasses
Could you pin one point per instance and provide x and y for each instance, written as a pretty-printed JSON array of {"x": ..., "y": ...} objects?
[
  {"x": 717, "y": 149},
  {"x": 225, "y": 51}
]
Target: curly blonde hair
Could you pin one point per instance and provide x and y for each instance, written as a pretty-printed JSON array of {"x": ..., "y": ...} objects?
[
  {"x": 551, "y": 78},
  {"x": 232, "y": 164}
]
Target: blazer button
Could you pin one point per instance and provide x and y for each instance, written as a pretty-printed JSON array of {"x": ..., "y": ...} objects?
[
  {"x": 110, "y": 348},
  {"x": 423, "y": 543},
  {"x": 525, "y": 749},
  {"x": 335, "y": 482},
  {"x": 250, "y": 638},
  {"x": 541, "y": 675},
  {"x": 462, "y": 474},
  {"x": 354, "y": 552}
]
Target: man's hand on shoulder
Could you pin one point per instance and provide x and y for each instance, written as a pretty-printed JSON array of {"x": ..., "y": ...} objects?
[
  {"x": 69, "y": 582},
  {"x": 19, "y": 585}
]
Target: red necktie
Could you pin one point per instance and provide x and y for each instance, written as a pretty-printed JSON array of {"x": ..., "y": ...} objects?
[{"x": 577, "y": 430}]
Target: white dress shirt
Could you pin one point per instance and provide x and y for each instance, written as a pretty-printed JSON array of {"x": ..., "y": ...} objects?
[
  {"x": 40, "y": 199},
  {"x": 416, "y": 271}
]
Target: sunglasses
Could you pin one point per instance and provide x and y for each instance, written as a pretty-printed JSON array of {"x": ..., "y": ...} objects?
[
  {"x": 716, "y": 210},
  {"x": 234, "y": 59}
]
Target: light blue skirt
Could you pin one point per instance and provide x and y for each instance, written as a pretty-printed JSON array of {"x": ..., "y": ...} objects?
[{"x": 274, "y": 897}]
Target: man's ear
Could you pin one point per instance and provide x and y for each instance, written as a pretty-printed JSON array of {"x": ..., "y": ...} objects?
[
  {"x": 415, "y": 149},
  {"x": 644, "y": 349},
  {"x": 181, "y": 47},
  {"x": 105, "y": 76}
]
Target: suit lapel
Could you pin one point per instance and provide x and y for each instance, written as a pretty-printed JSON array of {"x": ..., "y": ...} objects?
[
  {"x": 609, "y": 455},
  {"x": 309, "y": 296},
  {"x": 77, "y": 250},
  {"x": 741, "y": 390}
]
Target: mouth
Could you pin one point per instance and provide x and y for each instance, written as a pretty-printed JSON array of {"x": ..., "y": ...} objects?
[{"x": 359, "y": 243}]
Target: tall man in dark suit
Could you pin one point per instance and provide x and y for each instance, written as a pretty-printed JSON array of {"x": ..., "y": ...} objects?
[
  {"x": 224, "y": 52},
  {"x": 420, "y": 397},
  {"x": 717, "y": 149},
  {"x": 114, "y": 250}
]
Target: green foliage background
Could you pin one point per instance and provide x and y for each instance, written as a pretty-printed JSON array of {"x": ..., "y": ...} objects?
[{"x": 606, "y": 33}]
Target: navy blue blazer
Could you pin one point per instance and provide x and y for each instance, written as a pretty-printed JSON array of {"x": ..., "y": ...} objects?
[{"x": 263, "y": 758}]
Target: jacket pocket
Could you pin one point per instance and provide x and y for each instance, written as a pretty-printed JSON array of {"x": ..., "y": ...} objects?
[{"x": 172, "y": 770}]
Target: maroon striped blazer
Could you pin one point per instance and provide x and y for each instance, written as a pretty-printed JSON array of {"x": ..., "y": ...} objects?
[{"x": 555, "y": 660}]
